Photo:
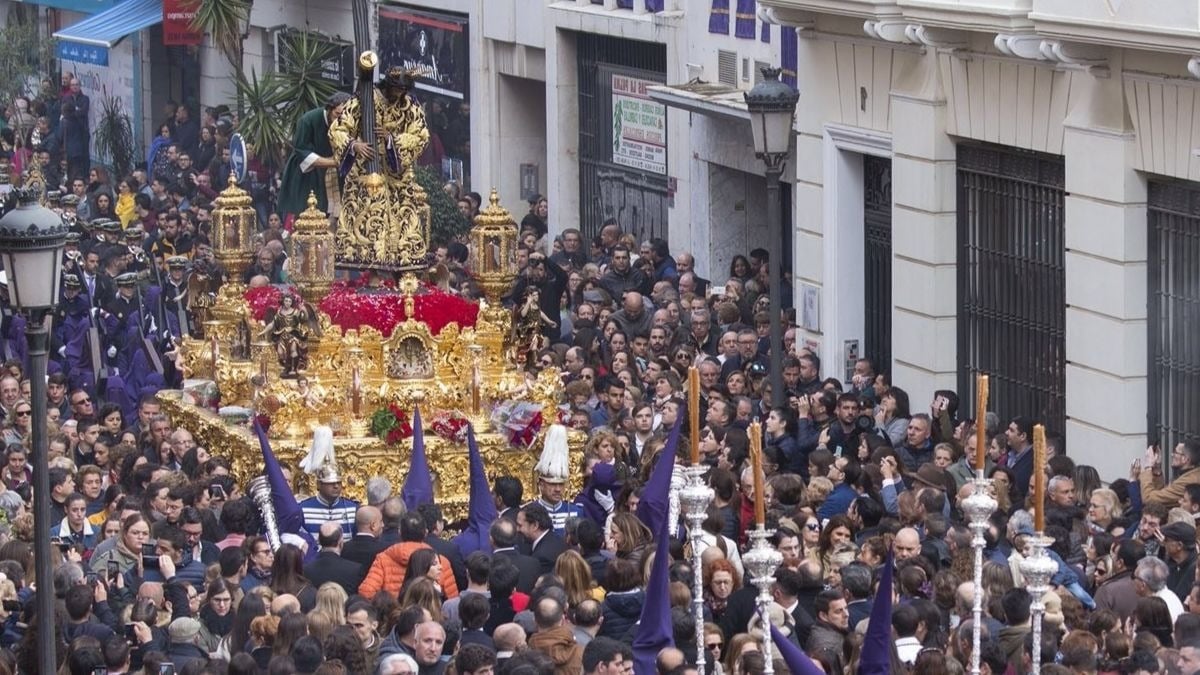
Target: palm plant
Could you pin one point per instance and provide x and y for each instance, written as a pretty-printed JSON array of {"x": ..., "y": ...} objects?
[
  {"x": 114, "y": 135},
  {"x": 225, "y": 22},
  {"x": 304, "y": 59},
  {"x": 263, "y": 125}
]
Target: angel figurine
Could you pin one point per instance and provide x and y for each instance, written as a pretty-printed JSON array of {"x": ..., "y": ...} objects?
[
  {"x": 528, "y": 338},
  {"x": 289, "y": 333}
]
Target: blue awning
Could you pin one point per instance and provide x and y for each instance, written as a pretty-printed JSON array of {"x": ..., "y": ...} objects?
[{"x": 108, "y": 27}]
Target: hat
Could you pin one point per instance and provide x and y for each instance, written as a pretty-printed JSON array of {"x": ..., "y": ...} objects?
[
  {"x": 931, "y": 476},
  {"x": 177, "y": 262},
  {"x": 74, "y": 238},
  {"x": 110, "y": 226},
  {"x": 135, "y": 232},
  {"x": 183, "y": 629},
  {"x": 126, "y": 279},
  {"x": 1181, "y": 532},
  {"x": 320, "y": 459},
  {"x": 69, "y": 200},
  {"x": 554, "y": 464},
  {"x": 337, "y": 98},
  {"x": 54, "y": 196},
  {"x": 397, "y": 77},
  {"x": 71, "y": 281}
]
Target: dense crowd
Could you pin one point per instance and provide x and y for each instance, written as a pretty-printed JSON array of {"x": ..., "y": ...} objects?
[{"x": 160, "y": 556}]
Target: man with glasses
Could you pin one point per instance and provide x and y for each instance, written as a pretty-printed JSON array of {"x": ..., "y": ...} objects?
[
  {"x": 192, "y": 525},
  {"x": 1185, "y": 464}
]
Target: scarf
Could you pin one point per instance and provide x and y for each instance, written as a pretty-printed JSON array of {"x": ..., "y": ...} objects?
[{"x": 219, "y": 626}]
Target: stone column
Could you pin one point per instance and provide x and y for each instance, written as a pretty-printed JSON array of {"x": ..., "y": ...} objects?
[
  {"x": 1106, "y": 240},
  {"x": 924, "y": 238}
]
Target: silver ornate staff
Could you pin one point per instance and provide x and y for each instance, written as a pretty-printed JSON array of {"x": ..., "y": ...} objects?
[
  {"x": 761, "y": 561},
  {"x": 978, "y": 508},
  {"x": 260, "y": 491},
  {"x": 1037, "y": 568},
  {"x": 694, "y": 498}
]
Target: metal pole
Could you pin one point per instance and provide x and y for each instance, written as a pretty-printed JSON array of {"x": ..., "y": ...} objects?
[
  {"x": 774, "y": 267},
  {"x": 694, "y": 499},
  {"x": 978, "y": 507},
  {"x": 38, "y": 339}
]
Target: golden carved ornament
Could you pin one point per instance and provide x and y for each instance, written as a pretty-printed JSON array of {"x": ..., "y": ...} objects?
[
  {"x": 493, "y": 244},
  {"x": 314, "y": 253}
]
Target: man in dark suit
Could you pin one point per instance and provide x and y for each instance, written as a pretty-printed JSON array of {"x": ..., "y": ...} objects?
[
  {"x": 533, "y": 522},
  {"x": 503, "y": 534},
  {"x": 508, "y": 492},
  {"x": 365, "y": 544},
  {"x": 329, "y": 565},
  {"x": 1019, "y": 436},
  {"x": 436, "y": 524}
]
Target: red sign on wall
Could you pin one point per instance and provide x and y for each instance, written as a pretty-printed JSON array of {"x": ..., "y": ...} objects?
[{"x": 177, "y": 23}]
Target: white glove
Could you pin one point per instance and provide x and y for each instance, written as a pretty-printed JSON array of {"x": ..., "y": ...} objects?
[
  {"x": 112, "y": 352},
  {"x": 153, "y": 326},
  {"x": 606, "y": 500},
  {"x": 62, "y": 351}
]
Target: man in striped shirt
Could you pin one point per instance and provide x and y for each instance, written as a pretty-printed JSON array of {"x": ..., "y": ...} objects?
[{"x": 328, "y": 505}]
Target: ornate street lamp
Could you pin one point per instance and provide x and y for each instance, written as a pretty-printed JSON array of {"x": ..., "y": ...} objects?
[
  {"x": 772, "y": 106},
  {"x": 493, "y": 250},
  {"x": 313, "y": 253},
  {"x": 32, "y": 238}
]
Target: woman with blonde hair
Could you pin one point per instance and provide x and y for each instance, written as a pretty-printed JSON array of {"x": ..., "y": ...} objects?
[
  {"x": 576, "y": 575},
  {"x": 331, "y": 599},
  {"x": 629, "y": 538},
  {"x": 738, "y": 645},
  {"x": 424, "y": 592}
]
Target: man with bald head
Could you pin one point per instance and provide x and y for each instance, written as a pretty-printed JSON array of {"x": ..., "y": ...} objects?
[
  {"x": 509, "y": 639},
  {"x": 285, "y": 604},
  {"x": 686, "y": 264},
  {"x": 365, "y": 544},
  {"x": 329, "y": 565},
  {"x": 633, "y": 317},
  {"x": 907, "y": 544}
]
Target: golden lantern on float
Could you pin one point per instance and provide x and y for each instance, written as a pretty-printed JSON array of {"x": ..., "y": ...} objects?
[
  {"x": 313, "y": 253},
  {"x": 493, "y": 245},
  {"x": 233, "y": 226}
]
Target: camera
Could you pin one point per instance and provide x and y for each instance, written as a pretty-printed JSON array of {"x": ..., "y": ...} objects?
[
  {"x": 215, "y": 491},
  {"x": 864, "y": 424}
]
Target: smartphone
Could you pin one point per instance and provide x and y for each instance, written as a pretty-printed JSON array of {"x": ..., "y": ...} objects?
[
  {"x": 99, "y": 670},
  {"x": 91, "y": 579},
  {"x": 150, "y": 554},
  {"x": 12, "y": 605},
  {"x": 216, "y": 491},
  {"x": 114, "y": 569},
  {"x": 131, "y": 634},
  {"x": 166, "y": 669}
]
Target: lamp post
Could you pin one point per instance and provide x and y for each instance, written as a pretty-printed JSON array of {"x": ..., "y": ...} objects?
[
  {"x": 32, "y": 239},
  {"x": 772, "y": 106}
]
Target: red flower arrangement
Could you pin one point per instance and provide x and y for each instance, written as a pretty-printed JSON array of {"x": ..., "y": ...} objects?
[
  {"x": 450, "y": 426},
  {"x": 349, "y": 308},
  {"x": 263, "y": 300},
  {"x": 391, "y": 424}
]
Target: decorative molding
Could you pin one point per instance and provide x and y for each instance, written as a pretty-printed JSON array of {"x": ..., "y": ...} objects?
[
  {"x": 1193, "y": 67},
  {"x": 801, "y": 20},
  {"x": 1085, "y": 56},
  {"x": 859, "y": 139},
  {"x": 936, "y": 38},
  {"x": 888, "y": 30},
  {"x": 1021, "y": 45}
]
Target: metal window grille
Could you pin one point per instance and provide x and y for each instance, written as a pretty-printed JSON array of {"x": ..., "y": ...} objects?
[
  {"x": 1173, "y": 312},
  {"x": 877, "y": 222},
  {"x": 1012, "y": 281},
  {"x": 637, "y": 199}
]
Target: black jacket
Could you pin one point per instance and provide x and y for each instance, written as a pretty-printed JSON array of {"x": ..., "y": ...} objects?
[
  {"x": 528, "y": 566},
  {"x": 362, "y": 549},
  {"x": 547, "y": 550},
  {"x": 329, "y": 566}
]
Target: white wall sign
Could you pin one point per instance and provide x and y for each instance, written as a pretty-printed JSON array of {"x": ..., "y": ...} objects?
[{"x": 639, "y": 125}]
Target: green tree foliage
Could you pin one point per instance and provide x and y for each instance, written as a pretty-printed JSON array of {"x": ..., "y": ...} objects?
[
  {"x": 446, "y": 222},
  {"x": 24, "y": 58}
]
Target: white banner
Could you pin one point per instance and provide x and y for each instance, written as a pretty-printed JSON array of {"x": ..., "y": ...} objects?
[{"x": 639, "y": 125}]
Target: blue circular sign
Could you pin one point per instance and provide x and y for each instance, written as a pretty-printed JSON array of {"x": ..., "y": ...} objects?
[{"x": 238, "y": 157}]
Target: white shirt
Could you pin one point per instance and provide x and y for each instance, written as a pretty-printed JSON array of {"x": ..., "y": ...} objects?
[{"x": 1174, "y": 606}]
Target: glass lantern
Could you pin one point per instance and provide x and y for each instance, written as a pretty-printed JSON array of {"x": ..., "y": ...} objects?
[
  {"x": 233, "y": 226},
  {"x": 312, "y": 261},
  {"x": 493, "y": 242}
]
